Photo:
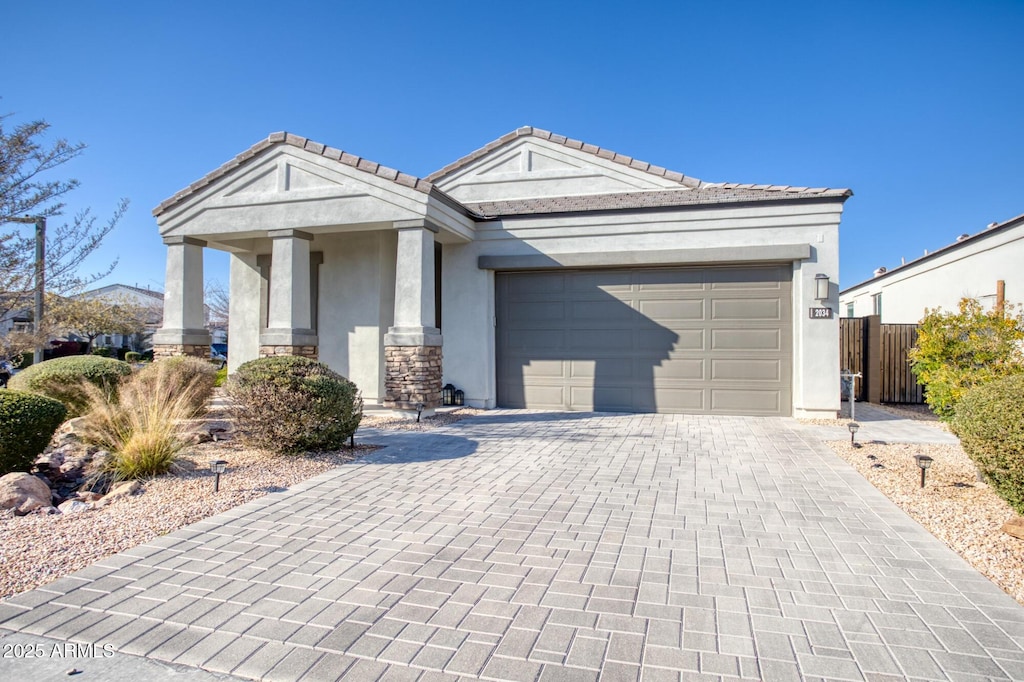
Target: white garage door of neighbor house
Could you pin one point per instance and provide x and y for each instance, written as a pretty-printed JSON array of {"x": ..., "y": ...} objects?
[{"x": 715, "y": 340}]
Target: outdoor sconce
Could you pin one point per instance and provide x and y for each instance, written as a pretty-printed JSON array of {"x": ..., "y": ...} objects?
[
  {"x": 821, "y": 287},
  {"x": 460, "y": 397},
  {"x": 448, "y": 395},
  {"x": 924, "y": 462},
  {"x": 854, "y": 427},
  {"x": 419, "y": 411},
  {"x": 218, "y": 467}
]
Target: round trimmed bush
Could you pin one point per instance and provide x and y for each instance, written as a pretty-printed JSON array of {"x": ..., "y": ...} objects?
[
  {"x": 61, "y": 379},
  {"x": 293, "y": 404},
  {"x": 27, "y": 423},
  {"x": 132, "y": 357},
  {"x": 989, "y": 421}
]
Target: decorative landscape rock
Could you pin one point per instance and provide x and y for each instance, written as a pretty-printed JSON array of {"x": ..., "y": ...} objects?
[
  {"x": 23, "y": 492},
  {"x": 120, "y": 490},
  {"x": 1015, "y": 527},
  {"x": 73, "y": 506}
]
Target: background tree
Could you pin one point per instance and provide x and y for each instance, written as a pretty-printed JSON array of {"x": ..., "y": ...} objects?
[
  {"x": 956, "y": 351},
  {"x": 217, "y": 302},
  {"x": 92, "y": 317},
  {"x": 25, "y": 159}
]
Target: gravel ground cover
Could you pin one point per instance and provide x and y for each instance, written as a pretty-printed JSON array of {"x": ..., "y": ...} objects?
[
  {"x": 954, "y": 505},
  {"x": 39, "y": 548}
]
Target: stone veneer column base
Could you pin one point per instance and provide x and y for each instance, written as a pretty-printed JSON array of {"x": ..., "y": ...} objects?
[
  {"x": 311, "y": 352},
  {"x": 170, "y": 350},
  {"x": 412, "y": 375}
]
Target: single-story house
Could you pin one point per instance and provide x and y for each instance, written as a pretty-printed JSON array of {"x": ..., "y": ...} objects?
[
  {"x": 151, "y": 301},
  {"x": 535, "y": 272},
  {"x": 985, "y": 266}
]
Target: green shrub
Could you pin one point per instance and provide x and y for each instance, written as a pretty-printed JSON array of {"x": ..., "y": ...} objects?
[
  {"x": 62, "y": 378},
  {"x": 957, "y": 351},
  {"x": 25, "y": 360},
  {"x": 132, "y": 357},
  {"x": 293, "y": 404},
  {"x": 989, "y": 421},
  {"x": 181, "y": 371},
  {"x": 222, "y": 377},
  {"x": 145, "y": 430},
  {"x": 27, "y": 422},
  {"x": 103, "y": 352}
]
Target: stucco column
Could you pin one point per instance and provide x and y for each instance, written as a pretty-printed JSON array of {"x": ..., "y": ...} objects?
[
  {"x": 183, "y": 331},
  {"x": 289, "y": 318},
  {"x": 412, "y": 347}
]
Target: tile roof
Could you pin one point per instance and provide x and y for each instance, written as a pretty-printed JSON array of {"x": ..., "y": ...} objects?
[
  {"x": 530, "y": 131},
  {"x": 705, "y": 195},
  {"x": 273, "y": 139}
]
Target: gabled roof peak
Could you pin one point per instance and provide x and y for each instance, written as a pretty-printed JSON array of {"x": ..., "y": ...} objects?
[
  {"x": 274, "y": 139},
  {"x": 531, "y": 131}
]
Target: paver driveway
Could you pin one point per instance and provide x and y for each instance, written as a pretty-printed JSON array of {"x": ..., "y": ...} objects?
[{"x": 530, "y": 546}]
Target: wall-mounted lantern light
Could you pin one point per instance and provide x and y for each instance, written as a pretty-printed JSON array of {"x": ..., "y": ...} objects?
[
  {"x": 218, "y": 467},
  {"x": 821, "y": 287},
  {"x": 854, "y": 427},
  {"x": 460, "y": 397},
  {"x": 448, "y": 395},
  {"x": 924, "y": 462}
]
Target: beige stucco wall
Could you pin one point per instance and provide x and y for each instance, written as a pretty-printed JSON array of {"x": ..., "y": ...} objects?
[{"x": 970, "y": 269}]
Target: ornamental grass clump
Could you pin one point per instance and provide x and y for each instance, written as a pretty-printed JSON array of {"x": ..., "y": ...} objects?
[
  {"x": 146, "y": 429},
  {"x": 64, "y": 379},
  {"x": 989, "y": 421},
  {"x": 293, "y": 404},
  {"x": 181, "y": 371}
]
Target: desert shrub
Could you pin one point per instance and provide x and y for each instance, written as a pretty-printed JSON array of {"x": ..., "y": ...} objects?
[
  {"x": 956, "y": 351},
  {"x": 145, "y": 430},
  {"x": 63, "y": 378},
  {"x": 989, "y": 421},
  {"x": 132, "y": 357},
  {"x": 182, "y": 371},
  {"x": 293, "y": 404},
  {"x": 103, "y": 352},
  {"x": 27, "y": 422},
  {"x": 222, "y": 377}
]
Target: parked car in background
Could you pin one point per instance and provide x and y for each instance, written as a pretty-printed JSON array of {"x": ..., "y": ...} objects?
[{"x": 219, "y": 354}]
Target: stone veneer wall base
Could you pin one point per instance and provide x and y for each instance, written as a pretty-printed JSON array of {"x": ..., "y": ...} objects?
[
  {"x": 311, "y": 352},
  {"x": 412, "y": 375},
  {"x": 171, "y": 350}
]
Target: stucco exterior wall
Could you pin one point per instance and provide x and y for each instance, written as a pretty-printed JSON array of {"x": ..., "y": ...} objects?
[
  {"x": 468, "y": 291},
  {"x": 969, "y": 269}
]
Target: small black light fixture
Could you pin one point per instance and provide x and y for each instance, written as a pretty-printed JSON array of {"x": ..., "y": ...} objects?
[
  {"x": 218, "y": 467},
  {"x": 352, "y": 441},
  {"x": 460, "y": 397},
  {"x": 419, "y": 411},
  {"x": 924, "y": 462},
  {"x": 854, "y": 427},
  {"x": 821, "y": 287},
  {"x": 448, "y": 395}
]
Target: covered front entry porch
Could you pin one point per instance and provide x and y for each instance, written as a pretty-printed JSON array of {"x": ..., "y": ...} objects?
[{"x": 332, "y": 257}]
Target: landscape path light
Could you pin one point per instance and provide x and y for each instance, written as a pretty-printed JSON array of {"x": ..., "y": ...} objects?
[
  {"x": 218, "y": 467},
  {"x": 854, "y": 427},
  {"x": 419, "y": 411},
  {"x": 924, "y": 462}
]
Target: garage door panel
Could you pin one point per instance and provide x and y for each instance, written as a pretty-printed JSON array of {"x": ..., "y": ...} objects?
[
  {"x": 678, "y": 310},
  {"x": 746, "y": 370},
  {"x": 745, "y": 401},
  {"x": 746, "y": 339},
  {"x": 746, "y": 309},
  {"x": 673, "y": 369},
  {"x": 690, "y": 340},
  {"x": 607, "y": 312},
  {"x": 539, "y": 283}
]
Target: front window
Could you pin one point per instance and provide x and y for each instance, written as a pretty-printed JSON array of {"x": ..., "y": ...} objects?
[
  {"x": 849, "y": 310},
  {"x": 876, "y": 304}
]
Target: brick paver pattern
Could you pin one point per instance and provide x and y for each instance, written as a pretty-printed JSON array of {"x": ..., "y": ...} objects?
[{"x": 525, "y": 546}]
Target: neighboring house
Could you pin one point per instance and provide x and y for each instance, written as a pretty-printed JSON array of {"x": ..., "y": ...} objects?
[
  {"x": 145, "y": 298},
  {"x": 538, "y": 272},
  {"x": 986, "y": 266}
]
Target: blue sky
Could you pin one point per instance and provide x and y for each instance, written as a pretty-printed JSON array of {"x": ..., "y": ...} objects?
[{"x": 916, "y": 106}]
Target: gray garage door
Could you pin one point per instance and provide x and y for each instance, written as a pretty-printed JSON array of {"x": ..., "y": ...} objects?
[{"x": 688, "y": 340}]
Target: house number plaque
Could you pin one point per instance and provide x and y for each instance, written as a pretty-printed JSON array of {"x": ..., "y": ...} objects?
[{"x": 821, "y": 313}]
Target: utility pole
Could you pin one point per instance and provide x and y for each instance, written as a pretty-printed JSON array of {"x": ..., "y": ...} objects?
[{"x": 37, "y": 316}]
